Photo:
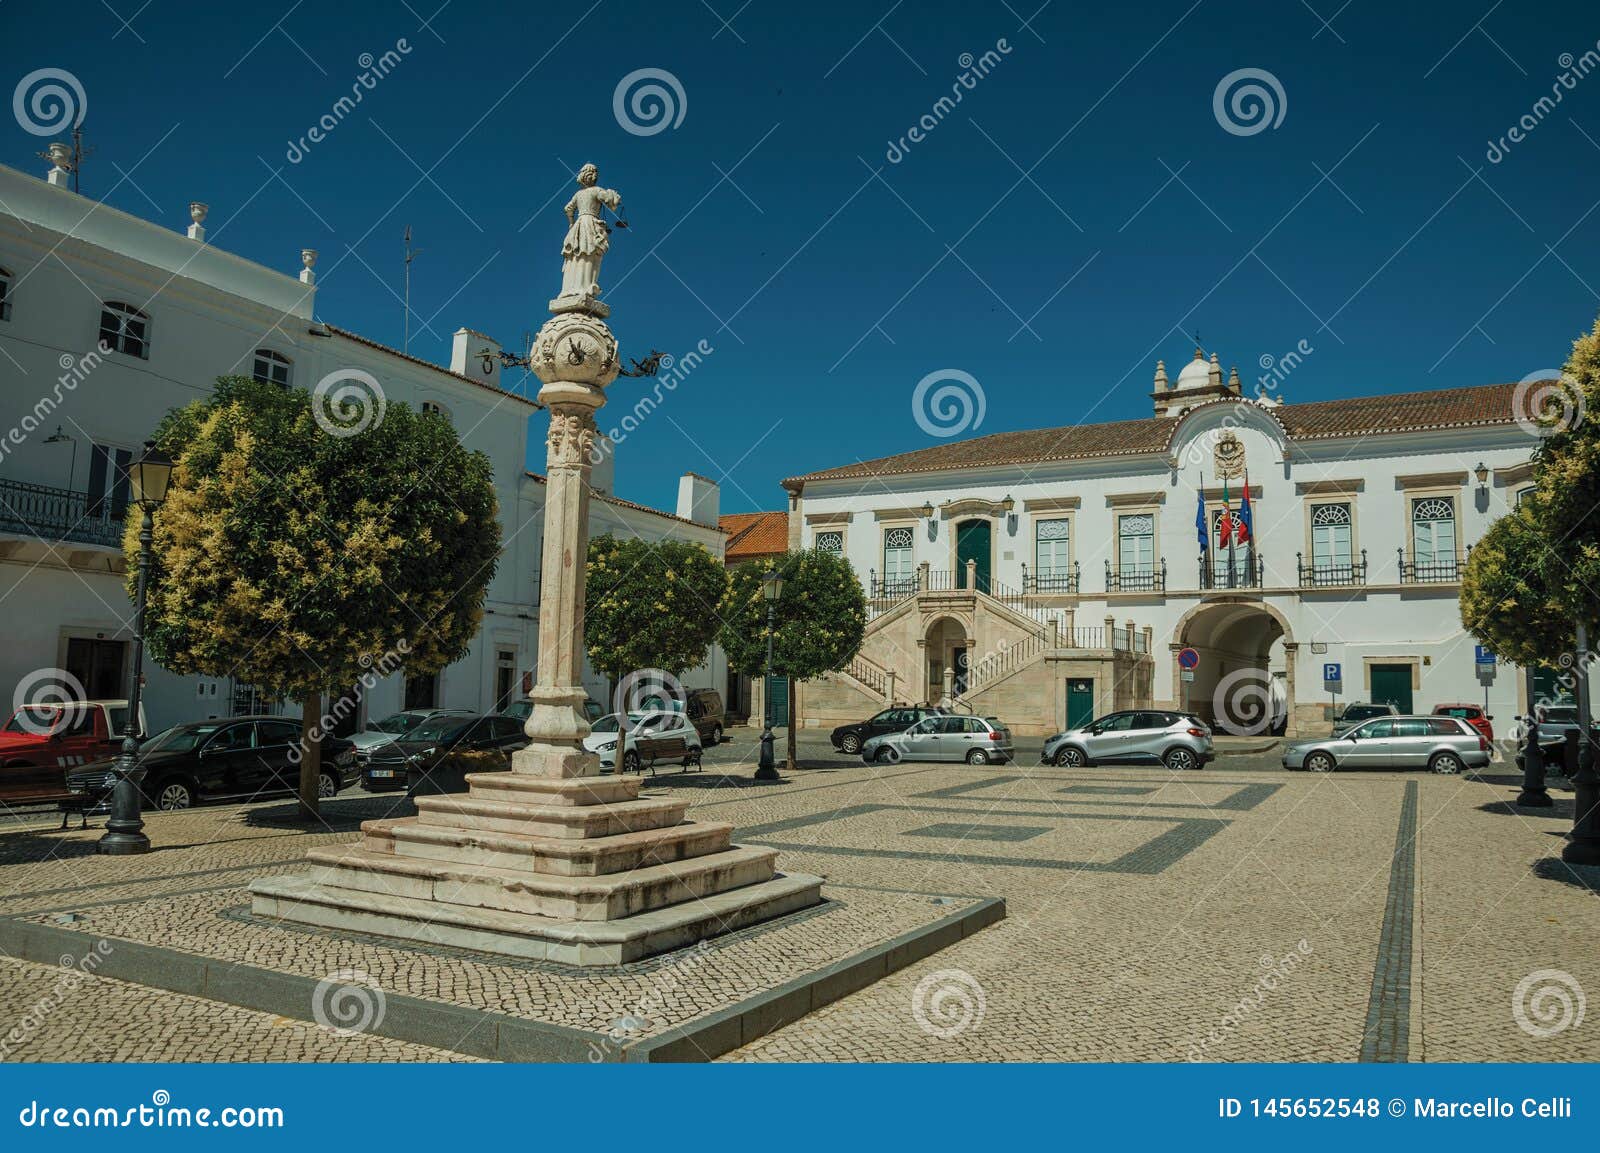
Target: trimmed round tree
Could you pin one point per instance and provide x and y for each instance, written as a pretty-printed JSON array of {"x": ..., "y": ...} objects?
[
  {"x": 308, "y": 549},
  {"x": 1567, "y": 473},
  {"x": 1505, "y": 602},
  {"x": 650, "y": 604},
  {"x": 819, "y": 621}
]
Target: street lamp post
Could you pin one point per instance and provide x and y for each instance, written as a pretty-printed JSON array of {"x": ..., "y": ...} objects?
[
  {"x": 771, "y": 590},
  {"x": 1534, "y": 794},
  {"x": 1583, "y": 845},
  {"x": 124, "y": 834}
]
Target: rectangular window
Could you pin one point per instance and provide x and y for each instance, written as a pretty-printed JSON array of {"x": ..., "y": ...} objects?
[
  {"x": 1433, "y": 534},
  {"x": 1053, "y": 550},
  {"x": 1136, "y": 543},
  {"x": 125, "y": 329},
  {"x": 108, "y": 482}
]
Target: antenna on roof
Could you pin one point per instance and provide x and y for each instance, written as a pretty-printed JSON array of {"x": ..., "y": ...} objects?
[{"x": 411, "y": 254}]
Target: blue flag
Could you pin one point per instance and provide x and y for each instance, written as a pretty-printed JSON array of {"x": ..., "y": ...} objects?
[{"x": 1200, "y": 521}]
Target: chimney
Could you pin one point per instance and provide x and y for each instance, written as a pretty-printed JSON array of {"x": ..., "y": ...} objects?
[
  {"x": 603, "y": 458},
  {"x": 467, "y": 352},
  {"x": 698, "y": 499}
]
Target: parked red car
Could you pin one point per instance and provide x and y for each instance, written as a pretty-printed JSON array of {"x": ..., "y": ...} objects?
[
  {"x": 63, "y": 736},
  {"x": 1472, "y": 714}
]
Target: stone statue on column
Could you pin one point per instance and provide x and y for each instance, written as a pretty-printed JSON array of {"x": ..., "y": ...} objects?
[{"x": 588, "y": 238}]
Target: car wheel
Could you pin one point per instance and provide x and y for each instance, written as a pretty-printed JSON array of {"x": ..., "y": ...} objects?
[
  {"x": 173, "y": 795},
  {"x": 1180, "y": 760},
  {"x": 886, "y": 755},
  {"x": 327, "y": 785},
  {"x": 630, "y": 762},
  {"x": 716, "y": 734},
  {"x": 1071, "y": 757},
  {"x": 977, "y": 757},
  {"x": 1320, "y": 762},
  {"x": 850, "y": 743},
  {"x": 1446, "y": 763}
]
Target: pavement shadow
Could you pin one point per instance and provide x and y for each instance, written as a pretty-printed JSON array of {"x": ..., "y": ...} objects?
[
  {"x": 340, "y": 815},
  {"x": 1585, "y": 877},
  {"x": 1562, "y": 809},
  {"x": 31, "y": 846}
]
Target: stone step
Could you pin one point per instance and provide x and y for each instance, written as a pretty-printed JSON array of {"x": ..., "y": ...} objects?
[
  {"x": 605, "y": 898},
  {"x": 566, "y": 857},
  {"x": 463, "y": 811},
  {"x": 300, "y": 899},
  {"x": 527, "y": 789}
]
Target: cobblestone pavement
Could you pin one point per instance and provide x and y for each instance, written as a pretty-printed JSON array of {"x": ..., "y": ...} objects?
[{"x": 1241, "y": 913}]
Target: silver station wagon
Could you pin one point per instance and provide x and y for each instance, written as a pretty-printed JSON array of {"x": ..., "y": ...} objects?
[
  {"x": 945, "y": 737},
  {"x": 1440, "y": 744}
]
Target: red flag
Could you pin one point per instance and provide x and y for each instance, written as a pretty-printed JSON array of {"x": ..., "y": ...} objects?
[
  {"x": 1242, "y": 530},
  {"x": 1224, "y": 528}
]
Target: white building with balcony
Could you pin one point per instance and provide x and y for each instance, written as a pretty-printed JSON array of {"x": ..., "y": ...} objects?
[
  {"x": 1053, "y": 575},
  {"x": 174, "y": 313}
]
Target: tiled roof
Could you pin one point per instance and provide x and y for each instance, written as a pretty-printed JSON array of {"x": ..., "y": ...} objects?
[
  {"x": 540, "y": 478},
  {"x": 1484, "y": 405},
  {"x": 359, "y": 339},
  {"x": 755, "y": 534}
]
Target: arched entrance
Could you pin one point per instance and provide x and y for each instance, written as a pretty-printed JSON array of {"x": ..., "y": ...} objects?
[
  {"x": 1244, "y": 684},
  {"x": 946, "y": 647}
]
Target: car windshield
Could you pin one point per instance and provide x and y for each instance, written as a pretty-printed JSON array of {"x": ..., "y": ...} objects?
[
  {"x": 1462, "y": 712},
  {"x": 33, "y": 719},
  {"x": 523, "y": 709},
  {"x": 439, "y": 728},
  {"x": 1562, "y": 715},
  {"x": 1362, "y": 712},
  {"x": 399, "y": 722},
  {"x": 179, "y": 738},
  {"x": 605, "y": 724}
]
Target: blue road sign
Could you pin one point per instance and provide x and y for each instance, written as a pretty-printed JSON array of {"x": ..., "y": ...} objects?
[
  {"x": 1332, "y": 672},
  {"x": 1483, "y": 656}
]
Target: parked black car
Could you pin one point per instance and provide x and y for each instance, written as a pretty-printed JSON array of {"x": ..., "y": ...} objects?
[
  {"x": 894, "y": 719},
  {"x": 429, "y": 761},
  {"x": 704, "y": 707},
  {"x": 235, "y": 758}
]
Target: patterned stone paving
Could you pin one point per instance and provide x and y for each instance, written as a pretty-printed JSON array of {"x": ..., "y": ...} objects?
[{"x": 1239, "y": 913}]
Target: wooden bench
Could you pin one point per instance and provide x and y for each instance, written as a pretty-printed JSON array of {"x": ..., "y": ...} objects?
[
  {"x": 28, "y": 785},
  {"x": 653, "y": 749}
]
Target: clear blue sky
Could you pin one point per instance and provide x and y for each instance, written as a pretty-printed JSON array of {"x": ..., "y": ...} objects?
[{"x": 828, "y": 293}]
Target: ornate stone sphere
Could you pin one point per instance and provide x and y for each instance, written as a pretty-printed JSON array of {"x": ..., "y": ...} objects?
[{"x": 577, "y": 347}]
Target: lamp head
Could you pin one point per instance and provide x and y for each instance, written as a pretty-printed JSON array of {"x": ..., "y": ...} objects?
[{"x": 150, "y": 475}]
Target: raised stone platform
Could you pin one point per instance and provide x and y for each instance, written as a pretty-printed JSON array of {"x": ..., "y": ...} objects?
[{"x": 574, "y": 870}]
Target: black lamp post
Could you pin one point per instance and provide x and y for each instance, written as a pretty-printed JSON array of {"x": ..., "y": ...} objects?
[
  {"x": 1534, "y": 795},
  {"x": 771, "y": 590},
  {"x": 1583, "y": 845},
  {"x": 124, "y": 834}
]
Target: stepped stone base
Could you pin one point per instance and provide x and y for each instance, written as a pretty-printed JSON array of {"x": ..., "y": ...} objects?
[{"x": 574, "y": 870}]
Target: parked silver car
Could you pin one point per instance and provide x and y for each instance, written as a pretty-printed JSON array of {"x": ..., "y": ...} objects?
[
  {"x": 1356, "y": 712},
  {"x": 1138, "y": 736},
  {"x": 947, "y": 737},
  {"x": 1441, "y": 744}
]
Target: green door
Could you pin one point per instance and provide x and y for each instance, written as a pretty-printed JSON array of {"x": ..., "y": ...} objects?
[
  {"x": 1391, "y": 685},
  {"x": 777, "y": 701},
  {"x": 1080, "y": 703},
  {"x": 972, "y": 543}
]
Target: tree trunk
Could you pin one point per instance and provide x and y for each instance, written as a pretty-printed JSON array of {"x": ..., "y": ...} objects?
[
  {"x": 310, "y": 755},
  {"x": 790, "y": 740}
]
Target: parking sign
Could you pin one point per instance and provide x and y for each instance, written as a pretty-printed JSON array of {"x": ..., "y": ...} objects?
[
  {"x": 1332, "y": 672},
  {"x": 1483, "y": 656}
]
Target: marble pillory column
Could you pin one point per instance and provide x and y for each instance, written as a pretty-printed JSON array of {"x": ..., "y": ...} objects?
[{"x": 550, "y": 860}]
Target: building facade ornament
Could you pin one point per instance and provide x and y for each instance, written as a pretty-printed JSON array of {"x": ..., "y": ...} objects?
[{"x": 1228, "y": 461}]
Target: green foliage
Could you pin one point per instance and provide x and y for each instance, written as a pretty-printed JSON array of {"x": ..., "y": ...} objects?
[
  {"x": 1567, "y": 474},
  {"x": 650, "y": 604},
  {"x": 294, "y": 559},
  {"x": 820, "y": 618},
  {"x": 1505, "y": 602}
]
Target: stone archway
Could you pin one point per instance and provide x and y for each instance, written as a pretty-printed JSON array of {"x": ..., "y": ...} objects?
[
  {"x": 946, "y": 645},
  {"x": 1244, "y": 684}
]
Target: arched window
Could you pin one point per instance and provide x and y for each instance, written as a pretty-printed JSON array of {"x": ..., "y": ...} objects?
[
  {"x": 897, "y": 559},
  {"x": 1433, "y": 531},
  {"x": 125, "y": 329},
  {"x": 5, "y": 295},
  {"x": 830, "y": 541},
  {"x": 271, "y": 368},
  {"x": 1330, "y": 536}
]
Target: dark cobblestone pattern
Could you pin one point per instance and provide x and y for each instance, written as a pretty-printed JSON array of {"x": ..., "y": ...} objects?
[
  {"x": 1244, "y": 797},
  {"x": 970, "y": 832},
  {"x": 1389, "y": 1007}
]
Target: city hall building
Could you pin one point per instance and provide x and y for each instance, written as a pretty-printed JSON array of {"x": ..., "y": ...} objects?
[{"x": 1054, "y": 575}]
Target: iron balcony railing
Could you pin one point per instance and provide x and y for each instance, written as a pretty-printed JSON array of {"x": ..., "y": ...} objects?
[
  {"x": 1432, "y": 572},
  {"x": 58, "y": 514},
  {"x": 1245, "y": 571},
  {"x": 1136, "y": 578},
  {"x": 1320, "y": 574},
  {"x": 1049, "y": 581}
]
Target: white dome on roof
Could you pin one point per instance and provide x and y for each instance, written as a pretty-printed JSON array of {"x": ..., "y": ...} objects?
[{"x": 1195, "y": 374}]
